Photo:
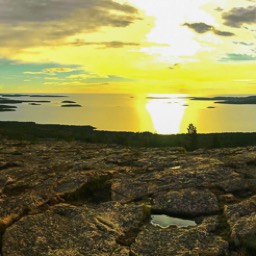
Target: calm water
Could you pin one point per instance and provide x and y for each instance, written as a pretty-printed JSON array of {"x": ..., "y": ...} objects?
[
  {"x": 165, "y": 221},
  {"x": 164, "y": 114}
]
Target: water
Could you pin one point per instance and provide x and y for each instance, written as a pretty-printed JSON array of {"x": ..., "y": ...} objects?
[
  {"x": 165, "y": 221},
  {"x": 163, "y": 114}
]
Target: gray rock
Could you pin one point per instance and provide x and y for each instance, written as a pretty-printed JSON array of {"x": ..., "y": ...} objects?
[
  {"x": 153, "y": 241},
  {"x": 186, "y": 202},
  {"x": 73, "y": 230},
  {"x": 242, "y": 220}
]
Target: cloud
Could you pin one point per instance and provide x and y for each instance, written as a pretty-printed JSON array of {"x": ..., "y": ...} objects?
[
  {"x": 236, "y": 17},
  {"x": 109, "y": 78},
  {"x": 91, "y": 79},
  {"x": 250, "y": 29},
  {"x": 18, "y": 11},
  {"x": 199, "y": 27},
  {"x": 202, "y": 28},
  {"x": 51, "y": 71},
  {"x": 111, "y": 44},
  {"x": 235, "y": 57},
  {"x": 218, "y": 9},
  {"x": 222, "y": 33},
  {"x": 59, "y": 70},
  {"x": 45, "y": 22},
  {"x": 243, "y": 43}
]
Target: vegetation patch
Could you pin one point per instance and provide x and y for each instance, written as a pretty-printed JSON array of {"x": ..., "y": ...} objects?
[{"x": 190, "y": 141}]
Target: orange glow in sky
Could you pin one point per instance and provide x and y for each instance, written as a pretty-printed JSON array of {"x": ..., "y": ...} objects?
[{"x": 135, "y": 46}]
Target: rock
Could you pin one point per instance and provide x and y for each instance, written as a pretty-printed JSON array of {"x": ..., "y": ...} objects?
[
  {"x": 242, "y": 220},
  {"x": 153, "y": 241},
  {"x": 74, "y": 230},
  {"x": 186, "y": 202},
  {"x": 74, "y": 198}
]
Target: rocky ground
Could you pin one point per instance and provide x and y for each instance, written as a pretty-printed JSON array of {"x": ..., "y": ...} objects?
[{"x": 72, "y": 199}]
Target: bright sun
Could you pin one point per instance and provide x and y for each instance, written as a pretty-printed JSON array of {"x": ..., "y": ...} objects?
[
  {"x": 169, "y": 30},
  {"x": 166, "y": 112}
]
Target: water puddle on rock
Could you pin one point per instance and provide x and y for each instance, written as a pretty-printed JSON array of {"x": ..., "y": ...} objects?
[{"x": 165, "y": 221}]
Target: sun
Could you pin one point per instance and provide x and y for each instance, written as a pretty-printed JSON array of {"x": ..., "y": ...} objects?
[
  {"x": 176, "y": 42},
  {"x": 167, "y": 112}
]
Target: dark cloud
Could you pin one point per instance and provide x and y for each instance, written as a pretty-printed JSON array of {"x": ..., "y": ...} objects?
[
  {"x": 111, "y": 44},
  {"x": 236, "y": 17},
  {"x": 33, "y": 22},
  {"x": 16, "y": 11},
  {"x": 222, "y": 33},
  {"x": 236, "y": 57},
  {"x": 202, "y": 28},
  {"x": 199, "y": 27}
]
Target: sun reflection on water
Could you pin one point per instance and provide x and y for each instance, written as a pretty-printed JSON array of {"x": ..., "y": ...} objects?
[{"x": 166, "y": 111}]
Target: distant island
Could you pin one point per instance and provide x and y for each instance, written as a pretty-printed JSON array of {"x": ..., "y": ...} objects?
[
  {"x": 68, "y": 102},
  {"x": 4, "y": 108},
  {"x": 32, "y": 96},
  {"x": 10, "y": 101},
  {"x": 228, "y": 100},
  {"x": 5, "y": 99},
  {"x": 71, "y": 105}
]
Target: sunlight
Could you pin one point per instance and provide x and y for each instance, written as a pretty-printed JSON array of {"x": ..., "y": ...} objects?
[
  {"x": 168, "y": 30},
  {"x": 166, "y": 111}
]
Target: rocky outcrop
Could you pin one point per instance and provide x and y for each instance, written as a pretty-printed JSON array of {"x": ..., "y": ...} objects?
[
  {"x": 174, "y": 241},
  {"x": 71, "y": 198},
  {"x": 71, "y": 230},
  {"x": 242, "y": 220}
]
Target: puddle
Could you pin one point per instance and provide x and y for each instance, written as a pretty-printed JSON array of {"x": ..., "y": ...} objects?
[{"x": 164, "y": 221}]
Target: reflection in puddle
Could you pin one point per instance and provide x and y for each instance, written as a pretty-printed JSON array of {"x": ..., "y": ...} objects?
[{"x": 164, "y": 221}]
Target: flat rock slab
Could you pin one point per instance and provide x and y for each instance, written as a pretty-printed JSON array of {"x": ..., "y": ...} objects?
[
  {"x": 74, "y": 230},
  {"x": 186, "y": 202},
  {"x": 177, "y": 241}
]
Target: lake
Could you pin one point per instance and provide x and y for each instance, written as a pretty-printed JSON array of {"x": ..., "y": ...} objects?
[{"x": 163, "y": 114}]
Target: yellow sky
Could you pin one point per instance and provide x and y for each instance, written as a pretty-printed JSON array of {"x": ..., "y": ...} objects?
[{"x": 137, "y": 46}]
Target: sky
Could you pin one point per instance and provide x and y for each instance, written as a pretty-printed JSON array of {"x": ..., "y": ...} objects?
[{"x": 128, "y": 46}]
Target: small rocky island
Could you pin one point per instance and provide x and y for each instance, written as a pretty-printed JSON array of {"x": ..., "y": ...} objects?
[
  {"x": 72, "y": 198},
  {"x": 70, "y": 104},
  {"x": 8, "y": 99}
]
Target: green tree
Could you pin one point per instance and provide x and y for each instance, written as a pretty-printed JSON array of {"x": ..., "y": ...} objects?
[
  {"x": 192, "y": 138},
  {"x": 191, "y": 129}
]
